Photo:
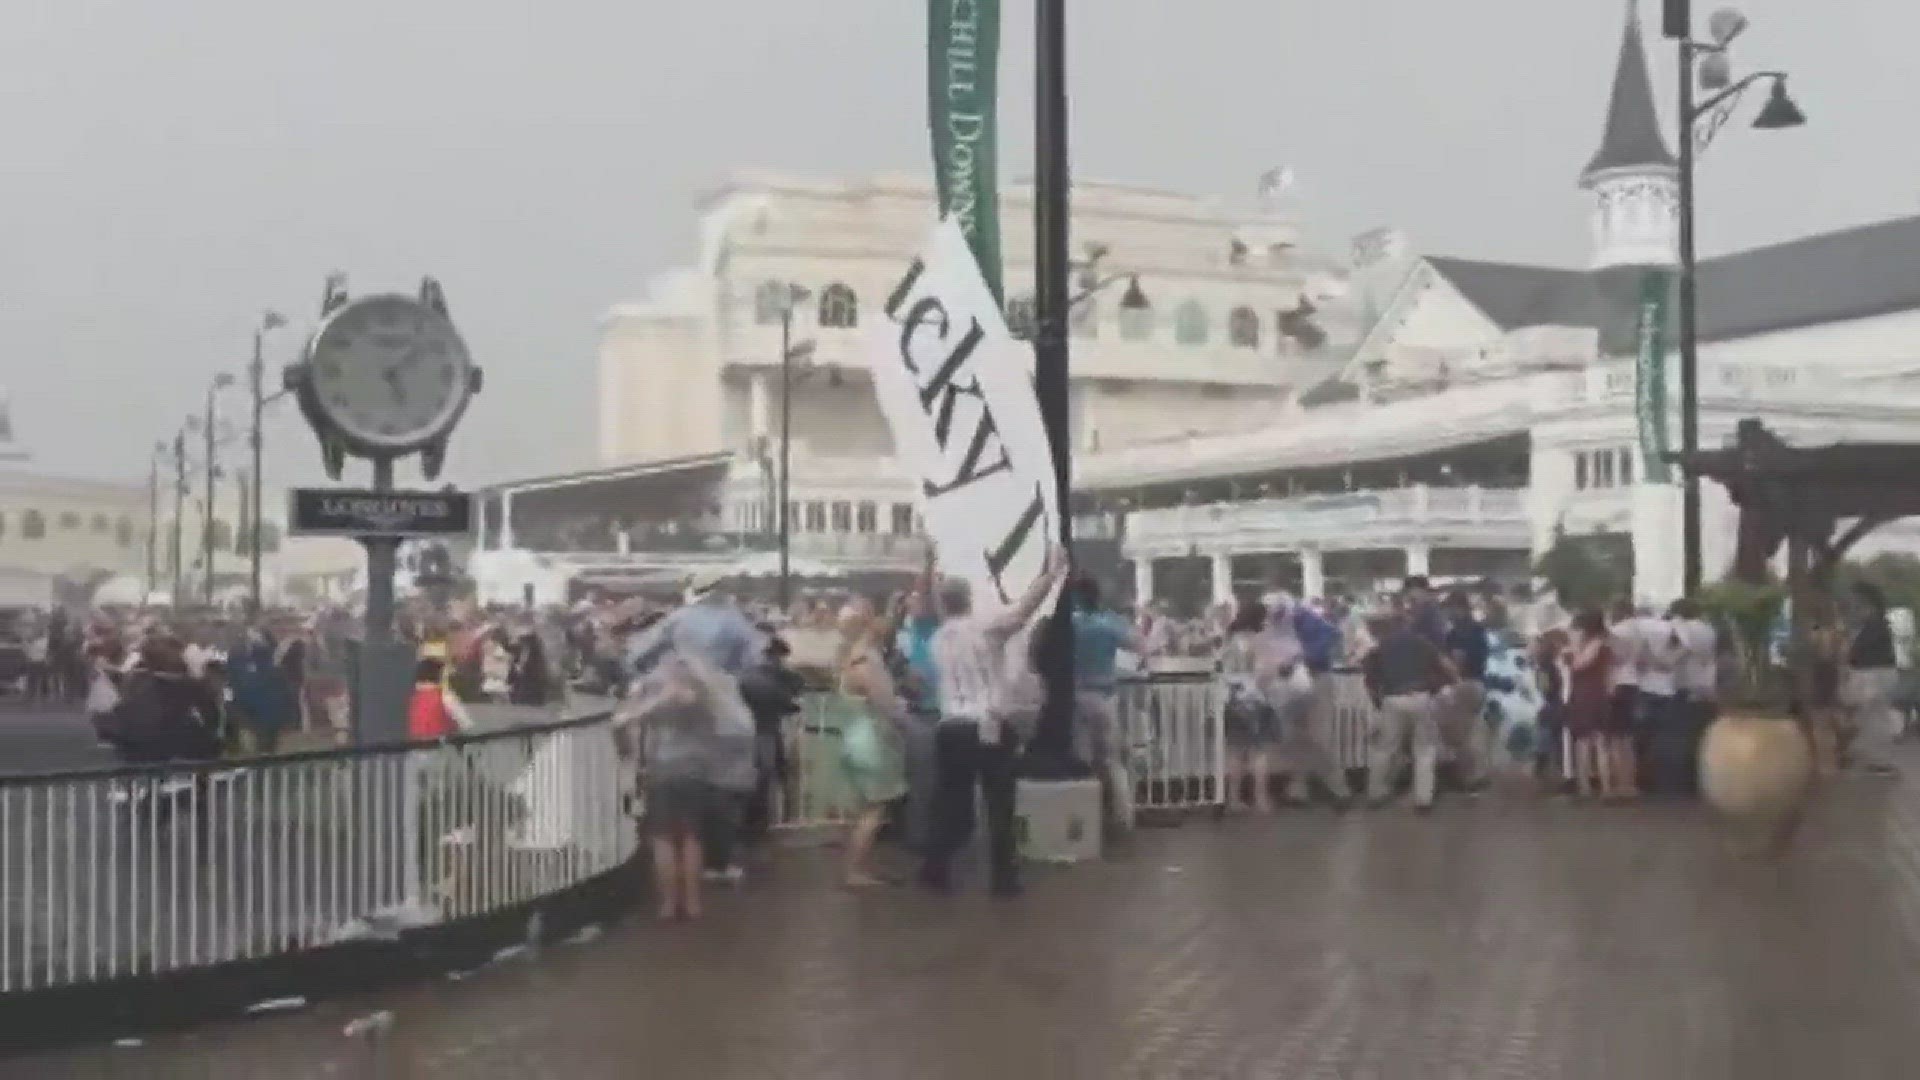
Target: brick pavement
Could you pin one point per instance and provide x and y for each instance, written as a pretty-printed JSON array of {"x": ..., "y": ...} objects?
[{"x": 1494, "y": 941}]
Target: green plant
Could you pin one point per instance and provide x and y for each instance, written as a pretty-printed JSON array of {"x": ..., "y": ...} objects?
[
  {"x": 1745, "y": 614},
  {"x": 1584, "y": 571}
]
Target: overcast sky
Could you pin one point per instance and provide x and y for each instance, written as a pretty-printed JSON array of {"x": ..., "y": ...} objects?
[{"x": 174, "y": 168}]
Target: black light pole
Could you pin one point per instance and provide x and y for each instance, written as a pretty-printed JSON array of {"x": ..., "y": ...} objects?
[
  {"x": 795, "y": 294},
  {"x": 1779, "y": 112},
  {"x": 179, "y": 513},
  {"x": 256, "y": 385},
  {"x": 1051, "y": 754},
  {"x": 153, "y": 516},
  {"x": 210, "y": 426}
]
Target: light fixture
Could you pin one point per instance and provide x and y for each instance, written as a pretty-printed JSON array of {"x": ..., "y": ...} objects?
[
  {"x": 1716, "y": 72},
  {"x": 1780, "y": 110},
  {"x": 1134, "y": 299},
  {"x": 1725, "y": 25}
]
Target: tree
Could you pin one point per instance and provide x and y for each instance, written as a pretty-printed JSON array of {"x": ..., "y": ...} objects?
[{"x": 1583, "y": 572}]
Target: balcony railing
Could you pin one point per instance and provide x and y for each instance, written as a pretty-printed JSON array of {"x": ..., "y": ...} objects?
[{"x": 1357, "y": 519}]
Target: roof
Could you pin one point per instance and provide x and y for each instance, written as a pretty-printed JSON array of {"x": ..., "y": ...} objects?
[
  {"x": 1632, "y": 137},
  {"x": 611, "y": 474},
  {"x": 1853, "y": 273},
  {"x": 1323, "y": 436}
]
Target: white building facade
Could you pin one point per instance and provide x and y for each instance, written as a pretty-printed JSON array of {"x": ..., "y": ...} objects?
[{"x": 1245, "y": 413}]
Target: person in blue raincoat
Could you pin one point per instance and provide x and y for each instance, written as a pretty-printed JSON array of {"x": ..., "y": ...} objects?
[{"x": 263, "y": 698}]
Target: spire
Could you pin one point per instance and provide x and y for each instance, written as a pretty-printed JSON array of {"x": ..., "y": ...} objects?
[{"x": 1633, "y": 137}]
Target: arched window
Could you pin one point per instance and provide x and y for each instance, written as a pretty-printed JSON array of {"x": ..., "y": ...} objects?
[
  {"x": 69, "y": 520},
  {"x": 1243, "y": 328},
  {"x": 769, "y": 302},
  {"x": 101, "y": 524},
  {"x": 1136, "y": 323},
  {"x": 1020, "y": 317},
  {"x": 1085, "y": 320},
  {"x": 1190, "y": 324},
  {"x": 33, "y": 525},
  {"x": 123, "y": 531},
  {"x": 839, "y": 306}
]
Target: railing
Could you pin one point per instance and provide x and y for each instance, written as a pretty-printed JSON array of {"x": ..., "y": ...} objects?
[
  {"x": 1170, "y": 740},
  {"x": 149, "y": 872},
  {"x": 1321, "y": 518}
]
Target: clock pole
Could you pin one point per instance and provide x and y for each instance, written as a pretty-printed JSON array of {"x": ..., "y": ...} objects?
[{"x": 379, "y": 341}]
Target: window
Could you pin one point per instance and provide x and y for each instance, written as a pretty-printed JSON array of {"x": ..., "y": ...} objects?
[
  {"x": 769, "y": 302},
  {"x": 1243, "y": 328},
  {"x": 222, "y": 535},
  {"x": 816, "y": 517},
  {"x": 1190, "y": 324},
  {"x": 866, "y": 518},
  {"x": 1085, "y": 318},
  {"x": 123, "y": 531},
  {"x": 902, "y": 519},
  {"x": 1020, "y": 317},
  {"x": 1580, "y": 471},
  {"x": 33, "y": 525},
  {"x": 101, "y": 524},
  {"x": 3, "y": 526},
  {"x": 842, "y": 517},
  {"x": 839, "y": 306},
  {"x": 1136, "y": 323},
  {"x": 1603, "y": 469},
  {"x": 1626, "y": 466},
  {"x": 69, "y": 520},
  {"x": 269, "y": 538}
]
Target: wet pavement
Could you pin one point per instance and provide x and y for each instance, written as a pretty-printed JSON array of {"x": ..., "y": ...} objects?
[{"x": 1508, "y": 939}]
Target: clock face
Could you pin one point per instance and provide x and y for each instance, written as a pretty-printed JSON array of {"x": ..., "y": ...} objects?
[{"x": 389, "y": 371}]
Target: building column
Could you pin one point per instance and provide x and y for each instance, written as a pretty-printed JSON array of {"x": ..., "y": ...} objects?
[
  {"x": 506, "y": 521},
  {"x": 1419, "y": 559},
  {"x": 1142, "y": 580},
  {"x": 1222, "y": 577},
  {"x": 1313, "y": 574},
  {"x": 759, "y": 407}
]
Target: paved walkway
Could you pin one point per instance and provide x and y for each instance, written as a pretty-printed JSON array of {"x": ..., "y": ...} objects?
[{"x": 1486, "y": 942}]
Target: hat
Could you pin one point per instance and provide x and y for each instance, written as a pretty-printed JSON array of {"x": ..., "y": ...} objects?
[{"x": 701, "y": 582}]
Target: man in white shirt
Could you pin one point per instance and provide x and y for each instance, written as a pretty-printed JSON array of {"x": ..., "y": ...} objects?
[
  {"x": 973, "y": 747},
  {"x": 1699, "y": 681},
  {"x": 1663, "y": 654}
]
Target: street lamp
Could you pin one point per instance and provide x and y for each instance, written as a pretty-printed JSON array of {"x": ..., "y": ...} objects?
[
  {"x": 159, "y": 454},
  {"x": 791, "y": 353},
  {"x": 209, "y": 426},
  {"x": 1051, "y": 754},
  {"x": 1714, "y": 74},
  {"x": 256, "y": 385}
]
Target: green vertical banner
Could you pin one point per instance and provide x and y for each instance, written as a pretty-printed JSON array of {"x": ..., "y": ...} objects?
[
  {"x": 1650, "y": 373},
  {"x": 963, "y": 64}
]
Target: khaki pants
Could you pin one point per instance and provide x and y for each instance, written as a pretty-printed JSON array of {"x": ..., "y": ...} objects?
[
  {"x": 1310, "y": 745},
  {"x": 1401, "y": 717},
  {"x": 1463, "y": 729}
]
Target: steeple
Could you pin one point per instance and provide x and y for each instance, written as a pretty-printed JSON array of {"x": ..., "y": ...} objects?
[
  {"x": 1633, "y": 178},
  {"x": 1632, "y": 139}
]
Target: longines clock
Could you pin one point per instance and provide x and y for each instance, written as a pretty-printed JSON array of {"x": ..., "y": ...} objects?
[{"x": 383, "y": 377}]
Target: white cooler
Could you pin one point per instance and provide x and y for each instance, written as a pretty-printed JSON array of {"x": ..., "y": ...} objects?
[{"x": 1058, "y": 821}]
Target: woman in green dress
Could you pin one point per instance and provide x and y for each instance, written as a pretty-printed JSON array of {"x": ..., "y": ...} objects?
[{"x": 867, "y": 710}]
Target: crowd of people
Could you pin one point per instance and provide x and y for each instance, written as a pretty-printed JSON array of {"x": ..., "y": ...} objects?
[{"x": 934, "y": 702}]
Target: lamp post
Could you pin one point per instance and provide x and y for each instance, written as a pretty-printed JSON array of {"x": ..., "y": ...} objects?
[
  {"x": 153, "y": 516},
  {"x": 179, "y": 512},
  {"x": 1708, "y": 63},
  {"x": 209, "y": 425},
  {"x": 791, "y": 353},
  {"x": 1051, "y": 754},
  {"x": 256, "y": 385}
]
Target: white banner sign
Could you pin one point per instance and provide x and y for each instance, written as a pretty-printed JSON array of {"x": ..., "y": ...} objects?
[{"x": 955, "y": 387}]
